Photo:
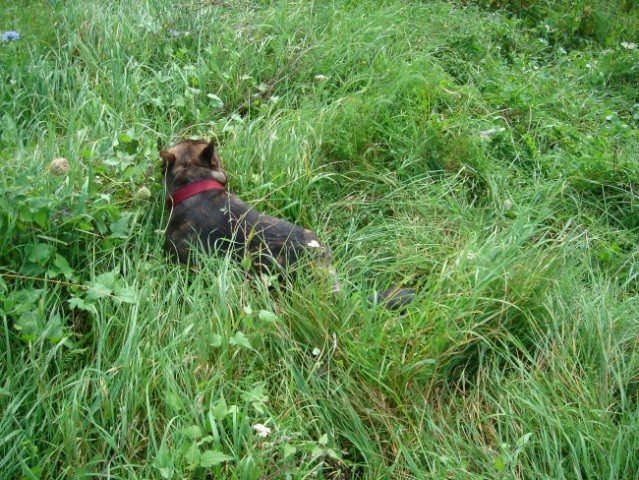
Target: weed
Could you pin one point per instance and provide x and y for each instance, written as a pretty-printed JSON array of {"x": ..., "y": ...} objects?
[{"x": 481, "y": 152}]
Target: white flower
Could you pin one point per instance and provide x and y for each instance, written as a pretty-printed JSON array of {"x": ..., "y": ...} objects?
[
  {"x": 262, "y": 430},
  {"x": 316, "y": 352},
  {"x": 629, "y": 45},
  {"x": 491, "y": 132}
]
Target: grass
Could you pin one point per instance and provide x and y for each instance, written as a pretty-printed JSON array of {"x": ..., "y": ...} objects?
[{"x": 484, "y": 153}]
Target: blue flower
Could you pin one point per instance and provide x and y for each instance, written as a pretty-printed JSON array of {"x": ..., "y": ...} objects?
[{"x": 10, "y": 36}]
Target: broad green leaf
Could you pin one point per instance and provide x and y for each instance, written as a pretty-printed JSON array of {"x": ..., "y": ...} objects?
[
  {"x": 257, "y": 394},
  {"x": 126, "y": 294},
  {"x": 333, "y": 454},
  {"x": 120, "y": 228},
  {"x": 81, "y": 304},
  {"x": 210, "y": 458},
  {"x": 288, "y": 450},
  {"x": 194, "y": 432},
  {"x": 175, "y": 401},
  {"x": 165, "y": 472},
  {"x": 240, "y": 340},
  {"x": 21, "y": 301},
  {"x": 267, "y": 316},
  {"x": 220, "y": 410},
  {"x": 39, "y": 253},
  {"x": 193, "y": 455},
  {"x": 523, "y": 440},
  {"x": 216, "y": 102},
  {"x": 55, "y": 329},
  {"x": 30, "y": 325},
  {"x": 63, "y": 266},
  {"x": 102, "y": 286}
]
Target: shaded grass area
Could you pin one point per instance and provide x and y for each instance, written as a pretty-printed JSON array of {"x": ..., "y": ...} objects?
[{"x": 454, "y": 148}]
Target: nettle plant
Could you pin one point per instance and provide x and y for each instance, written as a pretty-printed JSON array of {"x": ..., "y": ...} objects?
[{"x": 57, "y": 224}]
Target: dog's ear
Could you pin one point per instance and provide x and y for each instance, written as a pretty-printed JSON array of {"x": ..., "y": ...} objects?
[
  {"x": 209, "y": 155},
  {"x": 168, "y": 159}
]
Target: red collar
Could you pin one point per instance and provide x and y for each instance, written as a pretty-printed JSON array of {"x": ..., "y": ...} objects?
[{"x": 182, "y": 194}]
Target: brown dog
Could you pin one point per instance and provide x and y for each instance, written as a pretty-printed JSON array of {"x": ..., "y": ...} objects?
[{"x": 204, "y": 213}]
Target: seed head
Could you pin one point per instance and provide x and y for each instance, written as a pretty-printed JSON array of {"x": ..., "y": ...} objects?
[
  {"x": 59, "y": 166},
  {"x": 142, "y": 194}
]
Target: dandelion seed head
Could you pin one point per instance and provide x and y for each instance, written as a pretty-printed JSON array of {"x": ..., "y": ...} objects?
[
  {"x": 143, "y": 194},
  {"x": 59, "y": 166}
]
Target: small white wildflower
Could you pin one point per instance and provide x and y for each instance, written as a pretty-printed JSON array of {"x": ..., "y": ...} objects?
[
  {"x": 629, "y": 45},
  {"x": 176, "y": 33},
  {"x": 316, "y": 352},
  {"x": 508, "y": 204},
  {"x": 491, "y": 132},
  {"x": 262, "y": 430},
  {"x": 59, "y": 166},
  {"x": 320, "y": 78}
]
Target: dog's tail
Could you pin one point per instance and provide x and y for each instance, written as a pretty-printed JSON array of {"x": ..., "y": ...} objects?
[{"x": 393, "y": 298}]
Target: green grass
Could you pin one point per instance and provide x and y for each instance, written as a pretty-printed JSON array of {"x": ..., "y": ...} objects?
[{"x": 484, "y": 153}]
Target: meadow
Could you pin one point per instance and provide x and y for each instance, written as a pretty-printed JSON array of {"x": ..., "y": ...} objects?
[{"x": 485, "y": 153}]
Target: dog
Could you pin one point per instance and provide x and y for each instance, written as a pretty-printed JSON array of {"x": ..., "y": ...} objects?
[{"x": 205, "y": 214}]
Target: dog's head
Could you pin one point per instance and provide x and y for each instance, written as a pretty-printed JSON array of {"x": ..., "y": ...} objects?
[{"x": 190, "y": 161}]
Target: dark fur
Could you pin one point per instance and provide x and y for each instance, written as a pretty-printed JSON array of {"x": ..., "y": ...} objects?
[{"x": 220, "y": 221}]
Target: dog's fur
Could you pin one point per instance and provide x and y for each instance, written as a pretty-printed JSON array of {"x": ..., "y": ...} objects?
[{"x": 217, "y": 220}]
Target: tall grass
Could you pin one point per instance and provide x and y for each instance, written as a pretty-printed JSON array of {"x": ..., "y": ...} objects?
[{"x": 464, "y": 150}]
